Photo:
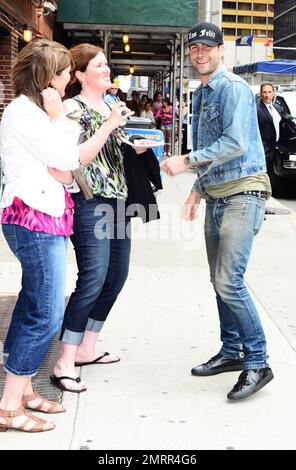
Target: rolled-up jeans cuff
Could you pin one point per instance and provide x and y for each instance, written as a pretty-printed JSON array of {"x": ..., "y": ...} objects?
[
  {"x": 256, "y": 365},
  {"x": 19, "y": 374},
  {"x": 94, "y": 325},
  {"x": 72, "y": 337}
]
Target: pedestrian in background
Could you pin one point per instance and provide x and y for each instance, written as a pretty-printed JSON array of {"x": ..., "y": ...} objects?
[
  {"x": 231, "y": 176},
  {"x": 165, "y": 114},
  {"x": 111, "y": 95},
  {"x": 269, "y": 118}
]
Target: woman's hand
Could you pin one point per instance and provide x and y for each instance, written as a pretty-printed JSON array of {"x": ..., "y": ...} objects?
[
  {"x": 120, "y": 112},
  {"x": 52, "y": 103},
  {"x": 64, "y": 177}
]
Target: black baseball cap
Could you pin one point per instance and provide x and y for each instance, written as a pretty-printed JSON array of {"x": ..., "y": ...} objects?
[{"x": 205, "y": 33}]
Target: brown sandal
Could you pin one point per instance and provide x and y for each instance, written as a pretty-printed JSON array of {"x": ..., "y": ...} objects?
[
  {"x": 30, "y": 423},
  {"x": 44, "y": 405}
]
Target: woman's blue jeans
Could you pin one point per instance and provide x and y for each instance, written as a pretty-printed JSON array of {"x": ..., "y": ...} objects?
[
  {"x": 38, "y": 313},
  {"x": 230, "y": 227},
  {"x": 102, "y": 246}
]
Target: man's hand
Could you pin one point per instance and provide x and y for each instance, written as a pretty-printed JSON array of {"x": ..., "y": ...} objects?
[
  {"x": 174, "y": 165},
  {"x": 190, "y": 207}
]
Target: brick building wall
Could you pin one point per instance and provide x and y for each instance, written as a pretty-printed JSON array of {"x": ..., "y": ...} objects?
[
  {"x": 14, "y": 14},
  {"x": 8, "y": 52}
]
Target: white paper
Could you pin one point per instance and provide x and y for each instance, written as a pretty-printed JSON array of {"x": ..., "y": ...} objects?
[{"x": 143, "y": 143}]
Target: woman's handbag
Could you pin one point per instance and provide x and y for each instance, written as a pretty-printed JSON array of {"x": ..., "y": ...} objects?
[{"x": 84, "y": 186}]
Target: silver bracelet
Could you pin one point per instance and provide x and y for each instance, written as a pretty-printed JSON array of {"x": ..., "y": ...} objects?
[{"x": 70, "y": 186}]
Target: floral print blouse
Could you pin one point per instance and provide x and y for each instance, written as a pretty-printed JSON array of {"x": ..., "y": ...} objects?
[{"x": 105, "y": 173}]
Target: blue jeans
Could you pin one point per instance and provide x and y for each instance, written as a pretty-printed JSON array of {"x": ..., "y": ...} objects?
[
  {"x": 230, "y": 226},
  {"x": 102, "y": 247},
  {"x": 38, "y": 313}
]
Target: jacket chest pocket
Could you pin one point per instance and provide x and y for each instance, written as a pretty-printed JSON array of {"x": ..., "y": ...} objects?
[{"x": 213, "y": 121}]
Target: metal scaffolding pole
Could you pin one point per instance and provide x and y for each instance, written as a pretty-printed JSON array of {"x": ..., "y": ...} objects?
[
  {"x": 208, "y": 11},
  {"x": 171, "y": 71},
  {"x": 106, "y": 46},
  {"x": 174, "y": 83},
  {"x": 181, "y": 93},
  {"x": 162, "y": 82},
  {"x": 159, "y": 80}
]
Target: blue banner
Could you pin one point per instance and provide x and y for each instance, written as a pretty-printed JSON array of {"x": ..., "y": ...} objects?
[{"x": 244, "y": 41}]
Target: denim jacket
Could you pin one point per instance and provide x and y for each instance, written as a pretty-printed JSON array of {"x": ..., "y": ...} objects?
[{"x": 225, "y": 134}]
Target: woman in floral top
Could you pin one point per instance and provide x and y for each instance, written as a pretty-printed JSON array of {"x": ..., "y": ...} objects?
[{"x": 101, "y": 228}]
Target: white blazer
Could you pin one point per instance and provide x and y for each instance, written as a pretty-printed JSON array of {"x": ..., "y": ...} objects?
[{"x": 29, "y": 142}]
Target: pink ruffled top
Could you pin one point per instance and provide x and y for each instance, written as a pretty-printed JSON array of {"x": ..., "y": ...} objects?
[{"x": 20, "y": 213}]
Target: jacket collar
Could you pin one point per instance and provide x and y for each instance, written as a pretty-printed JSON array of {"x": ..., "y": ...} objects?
[{"x": 212, "y": 83}]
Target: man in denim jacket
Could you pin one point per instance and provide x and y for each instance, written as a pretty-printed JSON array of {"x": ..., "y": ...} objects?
[{"x": 231, "y": 176}]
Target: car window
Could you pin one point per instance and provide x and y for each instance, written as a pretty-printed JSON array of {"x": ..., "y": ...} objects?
[
  {"x": 290, "y": 99},
  {"x": 280, "y": 101}
]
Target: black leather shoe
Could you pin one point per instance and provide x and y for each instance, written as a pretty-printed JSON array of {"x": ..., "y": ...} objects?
[
  {"x": 249, "y": 382},
  {"x": 217, "y": 365}
]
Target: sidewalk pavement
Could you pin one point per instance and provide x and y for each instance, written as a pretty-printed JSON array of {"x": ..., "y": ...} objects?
[{"x": 164, "y": 323}]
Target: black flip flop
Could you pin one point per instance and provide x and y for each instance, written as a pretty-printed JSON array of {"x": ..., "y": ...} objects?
[
  {"x": 96, "y": 361},
  {"x": 57, "y": 382}
]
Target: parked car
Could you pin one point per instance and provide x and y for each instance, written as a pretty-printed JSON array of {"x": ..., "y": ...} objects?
[{"x": 283, "y": 172}]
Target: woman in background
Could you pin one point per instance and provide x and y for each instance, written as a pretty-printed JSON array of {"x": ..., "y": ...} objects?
[
  {"x": 148, "y": 113},
  {"x": 165, "y": 114}
]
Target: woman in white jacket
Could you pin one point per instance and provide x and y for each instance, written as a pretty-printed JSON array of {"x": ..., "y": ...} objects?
[{"x": 38, "y": 148}]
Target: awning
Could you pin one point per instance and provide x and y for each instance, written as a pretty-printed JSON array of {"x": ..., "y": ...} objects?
[
  {"x": 280, "y": 66},
  {"x": 165, "y": 13},
  {"x": 152, "y": 25}
]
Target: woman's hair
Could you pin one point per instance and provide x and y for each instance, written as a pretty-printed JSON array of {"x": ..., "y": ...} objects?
[
  {"x": 81, "y": 55},
  {"x": 156, "y": 94},
  {"x": 35, "y": 67}
]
